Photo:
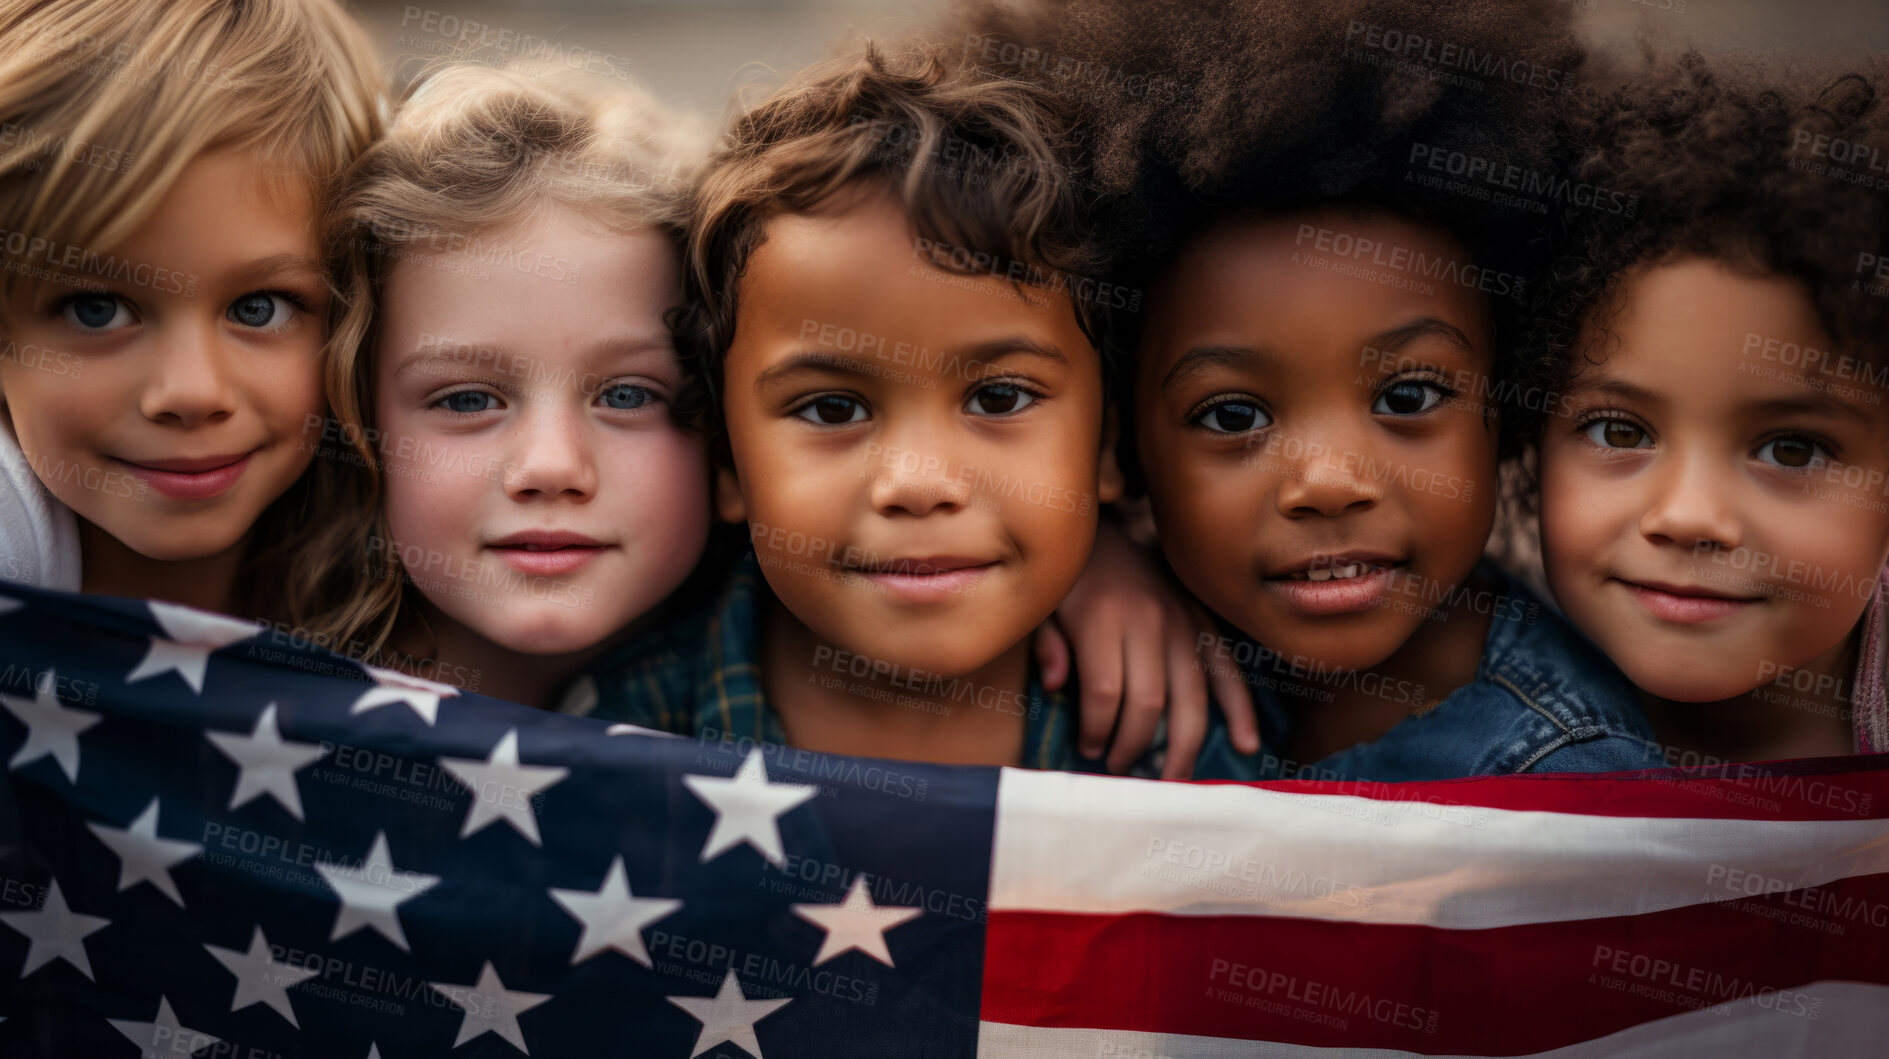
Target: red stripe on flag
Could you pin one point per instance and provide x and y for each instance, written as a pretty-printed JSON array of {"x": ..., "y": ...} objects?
[
  {"x": 1844, "y": 788},
  {"x": 1502, "y": 991}
]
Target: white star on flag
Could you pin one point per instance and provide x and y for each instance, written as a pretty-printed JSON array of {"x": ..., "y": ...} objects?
[
  {"x": 144, "y": 855},
  {"x": 55, "y": 932},
  {"x": 728, "y": 1016},
  {"x": 8, "y": 604},
  {"x": 490, "y": 1007},
  {"x": 856, "y": 923},
  {"x": 748, "y": 808},
  {"x": 259, "y": 979},
  {"x": 391, "y": 685},
  {"x": 165, "y": 1035},
  {"x": 631, "y": 729},
  {"x": 372, "y": 893},
  {"x": 190, "y": 635},
  {"x": 502, "y": 788},
  {"x": 266, "y": 764},
  {"x": 612, "y": 917},
  {"x": 50, "y": 728}
]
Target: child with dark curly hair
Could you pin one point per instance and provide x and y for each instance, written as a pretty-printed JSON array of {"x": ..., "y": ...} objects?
[
  {"x": 891, "y": 295},
  {"x": 1713, "y": 463},
  {"x": 1330, "y": 208}
]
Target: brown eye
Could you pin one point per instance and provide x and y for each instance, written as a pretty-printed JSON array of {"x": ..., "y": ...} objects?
[
  {"x": 1233, "y": 417},
  {"x": 1794, "y": 453},
  {"x": 1616, "y": 434},
  {"x": 1000, "y": 399},
  {"x": 1407, "y": 398},
  {"x": 831, "y": 410}
]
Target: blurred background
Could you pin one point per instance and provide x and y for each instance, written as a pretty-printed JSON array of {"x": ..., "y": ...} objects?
[{"x": 695, "y": 53}]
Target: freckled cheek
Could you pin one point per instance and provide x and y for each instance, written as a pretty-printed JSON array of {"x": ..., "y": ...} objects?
[
  {"x": 658, "y": 494},
  {"x": 436, "y": 516},
  {"x": 436, "y": 494},
  {"x": 290, "y": 388}
]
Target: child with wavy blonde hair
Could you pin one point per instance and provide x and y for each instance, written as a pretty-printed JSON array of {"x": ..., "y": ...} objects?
[
  {"x": 505, "y": 382},
  {"x": 162, "y": 304}
]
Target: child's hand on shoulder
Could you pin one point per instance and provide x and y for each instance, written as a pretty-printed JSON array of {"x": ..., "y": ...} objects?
[{"x": 1134, "y": 633}]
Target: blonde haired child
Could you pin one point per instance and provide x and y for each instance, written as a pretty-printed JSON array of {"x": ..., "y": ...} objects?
[
  {"x": 162, "y": 306},
  {"x": 523, "y": 448}
]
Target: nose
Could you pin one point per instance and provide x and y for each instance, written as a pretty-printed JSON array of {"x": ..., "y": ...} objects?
[
  {"x": 190, "y": 381},
  {"x": 1691, "y": 505},
  {"x": 552, "y": 453},
  {"x": 916, "y": 471},
  {"x": 1323, "y": 475}
]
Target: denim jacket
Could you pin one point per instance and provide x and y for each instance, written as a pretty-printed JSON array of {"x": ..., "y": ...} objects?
[{"x": 1543, "y": 700}]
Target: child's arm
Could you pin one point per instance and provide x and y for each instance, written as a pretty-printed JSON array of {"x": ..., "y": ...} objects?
[{"x": 1134, "y": 635}]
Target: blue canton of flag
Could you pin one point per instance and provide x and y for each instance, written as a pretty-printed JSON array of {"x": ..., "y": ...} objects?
[{"x": 218, "y": 840}]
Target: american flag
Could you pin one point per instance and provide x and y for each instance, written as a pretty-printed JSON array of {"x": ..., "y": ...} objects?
[{"x": 218, "y": 839}]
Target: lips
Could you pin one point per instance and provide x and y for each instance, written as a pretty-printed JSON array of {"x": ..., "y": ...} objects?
[
  {"x": 927, "y": 579},
  {"x": 1687, "y": 604},
  {"x": 1337, "y": 583},
  {"x": 547, "y": 553},
  {"x": 191, "y": 478}
]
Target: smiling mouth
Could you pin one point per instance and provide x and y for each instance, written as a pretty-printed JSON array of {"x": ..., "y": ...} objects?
[
  {"x": 1336, "y": 572},
  {"x": 1338, "y": 568},
  {"x": 923, "y": 567},
  {"x": 1686, "y": 604},
  {"x": 546, "y": 547}
]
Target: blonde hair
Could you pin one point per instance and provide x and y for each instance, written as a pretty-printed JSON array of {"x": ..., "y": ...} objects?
[
  {"x": 103, "y": 104},
  {"x": 155, "y": 85},
  {"x": 472, "y": 149}
]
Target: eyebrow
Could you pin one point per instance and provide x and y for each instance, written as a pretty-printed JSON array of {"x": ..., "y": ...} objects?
[
  {"x": 297, "y": 266},
  {"x": 1815, "y": 404},
  {"x": 1398, "y": 337},
  {"x": 826, "y": 361},
  {"x": 1203, "y": 358},
  {"x": 1810, "y": 404},
  {"x": 1621, "y": 389},
  {"x": 474, "y": 353}
]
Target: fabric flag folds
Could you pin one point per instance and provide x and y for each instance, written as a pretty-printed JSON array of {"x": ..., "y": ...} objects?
[{"x": 219, "y": 839}]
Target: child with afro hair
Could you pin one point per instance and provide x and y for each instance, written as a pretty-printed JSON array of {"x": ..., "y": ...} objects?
[
  {"x": 1712, "y": 465},
  {"x": 1333, "y": 211}
]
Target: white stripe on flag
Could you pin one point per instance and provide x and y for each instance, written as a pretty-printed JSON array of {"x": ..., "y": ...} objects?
[
  {"x": 1851, "y": 1018},
  {"x": 1111, "y": 845}
]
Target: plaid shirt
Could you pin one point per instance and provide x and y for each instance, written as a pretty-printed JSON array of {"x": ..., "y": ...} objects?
[{"x": 696, "y": 673}]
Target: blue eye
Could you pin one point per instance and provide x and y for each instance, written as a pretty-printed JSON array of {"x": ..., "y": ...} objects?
[
  {"x": 1000, "y": 399},
  {"x": 468, "y": 402},
  {"x": 261, "y": 310},
  {"x": 1793, "y": 453},
  {"x": 96, "y": 312},
  {"x": 831, "y": 410},
  {"x": 1617, "y": 434},
  {"x": 1234, "y": 417},
  {"x": 1407, "y": 398},
  {"x": 625, "y": 395}
]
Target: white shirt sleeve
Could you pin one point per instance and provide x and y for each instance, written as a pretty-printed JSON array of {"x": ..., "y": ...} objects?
[{"x": 39, "y": 536}]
